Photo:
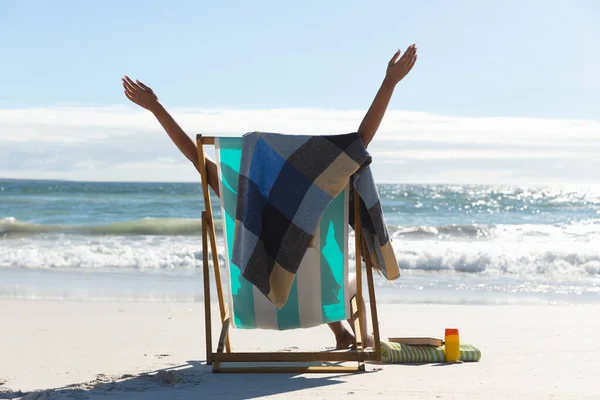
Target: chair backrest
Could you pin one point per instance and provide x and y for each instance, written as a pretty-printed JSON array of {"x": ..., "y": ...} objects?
[{"x": 319, "y": 293}]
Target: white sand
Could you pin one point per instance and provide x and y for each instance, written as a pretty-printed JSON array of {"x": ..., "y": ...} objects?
[{"x": 107, "y": 350}]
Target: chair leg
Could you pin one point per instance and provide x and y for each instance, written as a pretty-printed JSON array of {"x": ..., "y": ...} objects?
[
  {"x": 373, "y": 304},
  {"x": 205, "y": 272},
  {"x": 356, "y": 323},
  {"x": 224, "y": 334},
  {"x": 357, "y": 303},
  {"x": 222, "y": 341},
  {"x": 354, "y": 311},
  {"x": 208, "y": 219}
]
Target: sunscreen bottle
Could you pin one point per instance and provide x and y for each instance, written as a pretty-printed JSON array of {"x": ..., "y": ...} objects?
[{"x": 452, "y": 345}]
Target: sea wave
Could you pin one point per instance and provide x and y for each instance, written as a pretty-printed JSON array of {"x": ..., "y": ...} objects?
[
  {"x": 534, "y": 257},
  {"x": 426, "y": 232},
  {"x": 11, "y": 227},
  {"x": 582, "y": 230},
  {"x": 557, "y": 260},
  {"x": 142, "y": 253}
]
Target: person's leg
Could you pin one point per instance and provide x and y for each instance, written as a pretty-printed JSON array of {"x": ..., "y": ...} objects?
[{"x": 343, "y": 337}]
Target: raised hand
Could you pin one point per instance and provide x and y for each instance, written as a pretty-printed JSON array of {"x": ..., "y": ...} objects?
[
  {"x": 397, "y": 69},
  {"x": 140, "y": 94}
]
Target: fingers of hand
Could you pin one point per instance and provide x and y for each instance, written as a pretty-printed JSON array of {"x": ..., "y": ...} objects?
[
  {"x": 407, "y": 59},
  {"x": 143, "y": 86},
  {"x": 133, "y": 87},
  {"x": 130, "y": 91},
  {"x": 394, "y": 58},
  {"x": 412, "y": 63},
  {"x": 128, "y": 80},
  {"x": 130, "y": 96},
  {"x": 128, "y": 85},
  {"x": 409, "y": 53}
]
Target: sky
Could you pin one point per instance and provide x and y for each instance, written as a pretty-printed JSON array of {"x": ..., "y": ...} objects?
[{"x": 503, "y": 92}]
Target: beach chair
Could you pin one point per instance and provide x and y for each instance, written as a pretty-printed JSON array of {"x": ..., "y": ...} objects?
[{"x": 319, "y": 294}]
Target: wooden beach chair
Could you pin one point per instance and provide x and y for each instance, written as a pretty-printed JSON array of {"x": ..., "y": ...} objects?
[{"x": 319, "y": 294}]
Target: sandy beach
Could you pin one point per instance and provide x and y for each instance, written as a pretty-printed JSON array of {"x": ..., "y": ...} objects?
[
  {"x": 437, "y": 140},
  {"x": 129, "y": 350}
]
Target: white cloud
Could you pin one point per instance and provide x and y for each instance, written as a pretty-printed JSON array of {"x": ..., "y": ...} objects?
[{"x": 118, "y": 143}]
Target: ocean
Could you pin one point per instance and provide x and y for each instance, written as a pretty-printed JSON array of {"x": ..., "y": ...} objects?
[{"x": 455, "y": 244}]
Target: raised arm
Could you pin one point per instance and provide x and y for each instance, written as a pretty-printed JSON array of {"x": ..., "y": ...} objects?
[
  {"x": 397, "y": 69},
  {"x": 144, "y": 97}
]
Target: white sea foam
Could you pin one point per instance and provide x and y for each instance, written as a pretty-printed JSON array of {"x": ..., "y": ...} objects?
[
  {"x": 551, "y": 260},
  {"x": 503, "y": 267},
  {"x": 528, "y": 251},
  {"x": 97, "y": 252}
]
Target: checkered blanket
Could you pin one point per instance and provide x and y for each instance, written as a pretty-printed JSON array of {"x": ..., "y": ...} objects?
[{"x": 285, "y": 184}]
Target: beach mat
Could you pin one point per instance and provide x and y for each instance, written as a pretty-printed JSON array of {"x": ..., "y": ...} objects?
[{"x": 397, "y": 353}]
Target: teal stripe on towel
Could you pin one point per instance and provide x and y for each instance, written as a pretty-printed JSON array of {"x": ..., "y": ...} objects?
[
  {"x": 332, "y": 260},
  {"x": 230, "y": 155}
]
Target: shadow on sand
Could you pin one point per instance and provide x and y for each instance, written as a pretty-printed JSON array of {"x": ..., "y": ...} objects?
[{"x": 193, "y": 380}]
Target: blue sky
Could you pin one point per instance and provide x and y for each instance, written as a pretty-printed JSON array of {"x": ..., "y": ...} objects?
[{"x": 510, "y": 59}]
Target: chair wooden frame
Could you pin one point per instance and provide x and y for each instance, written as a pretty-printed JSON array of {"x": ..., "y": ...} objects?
[{"x": 224, "y": 353}]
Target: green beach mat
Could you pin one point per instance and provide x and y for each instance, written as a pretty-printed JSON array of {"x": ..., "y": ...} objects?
[{"x": 396, "y": 353}]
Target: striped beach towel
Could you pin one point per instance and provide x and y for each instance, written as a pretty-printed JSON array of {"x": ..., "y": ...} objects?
[
  {"x": 285, "y": 184},
  {"x": 319, "y": 293},
  {"x": 397, "y": 353}
]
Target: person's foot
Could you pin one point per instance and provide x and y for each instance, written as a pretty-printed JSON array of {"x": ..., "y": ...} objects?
[
  {"x": 369, "y": 342},
  {"x": 344, "y": 341}
]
